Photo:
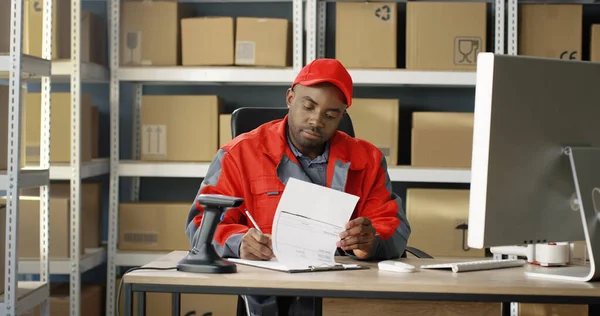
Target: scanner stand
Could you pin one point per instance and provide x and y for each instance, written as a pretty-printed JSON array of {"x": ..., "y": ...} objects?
[{"x": 203, "y": 258}]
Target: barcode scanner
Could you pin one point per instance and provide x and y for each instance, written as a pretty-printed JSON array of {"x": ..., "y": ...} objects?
[{"x": 203, "y": 258}]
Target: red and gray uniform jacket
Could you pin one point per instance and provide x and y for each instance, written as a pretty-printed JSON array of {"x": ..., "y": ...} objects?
[{"x": 256, "y": 166}]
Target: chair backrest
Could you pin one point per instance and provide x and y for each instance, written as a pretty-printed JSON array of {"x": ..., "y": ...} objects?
[{"x": 246, "y": 119}]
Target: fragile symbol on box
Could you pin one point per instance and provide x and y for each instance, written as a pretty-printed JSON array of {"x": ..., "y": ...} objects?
[
  {"x": 154, "y": 140},
  {"x": 466, "y": 50}
]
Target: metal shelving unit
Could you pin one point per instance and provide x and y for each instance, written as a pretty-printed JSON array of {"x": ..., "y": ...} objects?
[
  {"x": 308, "y": 16},
  {"x": 19, "y": 297},
  {"x": 75, "y": 73}
]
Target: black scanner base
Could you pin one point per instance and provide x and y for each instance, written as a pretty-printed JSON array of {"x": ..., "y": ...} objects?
[
  {"x": 203, "y": 258},
  {"x": 189, "y": 264}
]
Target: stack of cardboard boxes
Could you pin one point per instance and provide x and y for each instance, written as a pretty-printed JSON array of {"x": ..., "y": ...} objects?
[
  {"x": 93, "y": 32},
  {"x": 447, "y": 36},
  {"x": 159, "y": 304},
  {"x": 440, "y": 140},
  {"x": 60, "y": 129},
  {"x": 439, "y": 35},
  {"x": 167, "y": 33},
  {"x": 91, "y": 301}
]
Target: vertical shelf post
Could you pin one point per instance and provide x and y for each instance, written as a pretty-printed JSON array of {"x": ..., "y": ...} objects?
[
  {"x": 499, "y": 9},
  {"x": 45, "y": 153},
  {"x": 113, "y": 216},
  {"x": 311, "y": 30},
  {"x": 513, "y": 19},
  {"x": 137, "y": 136},
  {"x": 14, "y": 157},
  {"x": 298, "y": 27},
  {"x": 76, "y": 141},
  {"x": 321, "y": 28}
]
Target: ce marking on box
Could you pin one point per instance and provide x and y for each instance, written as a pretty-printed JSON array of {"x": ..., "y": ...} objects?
[{"x": 568, "y": 55}]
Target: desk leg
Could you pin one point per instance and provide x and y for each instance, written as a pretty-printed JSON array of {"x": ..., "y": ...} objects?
[
  {"x": 176, "y": 304},
  {"x": 506, "y": 309},
  {"x": 318, "y": 305},
  {"x": 128, "y": 299},
  {"x": 141, "y": 303},
  {"x": 593, "y": 309}
]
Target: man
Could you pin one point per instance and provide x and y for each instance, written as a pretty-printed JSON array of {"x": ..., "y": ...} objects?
[{"x": 305, "y": 145}]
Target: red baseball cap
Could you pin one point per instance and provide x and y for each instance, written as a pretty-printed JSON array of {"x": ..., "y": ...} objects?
[{"x": 326, "y": 70}]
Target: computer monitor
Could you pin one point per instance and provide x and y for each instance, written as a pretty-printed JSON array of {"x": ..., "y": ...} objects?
[{"x": 536, "y": 156}]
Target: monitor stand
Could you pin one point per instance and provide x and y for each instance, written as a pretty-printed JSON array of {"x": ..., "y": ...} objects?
[{"x": 585, "y": 165}]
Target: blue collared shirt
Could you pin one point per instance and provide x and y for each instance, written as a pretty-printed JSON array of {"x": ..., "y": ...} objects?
[{"x": 316, "y": 169}]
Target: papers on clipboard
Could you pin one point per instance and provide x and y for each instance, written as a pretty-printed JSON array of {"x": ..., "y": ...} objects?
[
  {"x": 306, "y": 227},
  {"x": 273, "y": 264}
]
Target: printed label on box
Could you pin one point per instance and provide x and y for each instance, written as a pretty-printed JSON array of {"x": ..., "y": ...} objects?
[
  {"x": 141, "y": 237},
  {"x": 245, "y": 52},
  {"x": 32, "y": 151},
  {"x": 154, "y": 140},
  {"x": 385, "y": 150}
]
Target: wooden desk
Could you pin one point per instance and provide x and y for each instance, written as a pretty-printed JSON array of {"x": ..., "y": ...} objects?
[{"x": 500, "y": 285}]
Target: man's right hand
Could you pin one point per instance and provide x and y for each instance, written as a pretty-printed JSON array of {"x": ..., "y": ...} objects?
[{"x": 256, "y": 246}]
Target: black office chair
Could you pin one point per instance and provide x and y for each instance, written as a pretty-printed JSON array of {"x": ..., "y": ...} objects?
[{"x": 246, "y": 119}]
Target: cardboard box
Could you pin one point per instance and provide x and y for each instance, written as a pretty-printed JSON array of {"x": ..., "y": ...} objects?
[
  {"x": 4, "y": 91},
  {"x": 169, "y": 122},
  {"x": 550, "y": 30},
  {"x": 60, "y": 128},
  {"x": 91, "y": 300},
  {"x": 595, "y": 43},
  {"x": 207, "y": 41},
  {"x": 95, "y": 133},
  {"x": 445, "y": 35},
  {"x": 360, "y": 307},
  {"x": 93, "y": 39},
  {"x": 5, "y": 8},
  {"x": 366, "y": 34},
  {"x": 153, "y": 226},
  {"x": 442, "y": 139},
  {"x": 377, "y": 121},
  {"x": 436, "y": 217},
  {"x": 2, "y": 248},
  {"x": 91, "y": 207},
  {"x": 159, "y": 304},
  {"x": 530, "y": 309},
  {"x": 61, "y": 28},
  {"x": 224, "y": 129},
  {"x": 263, "y": 42},
  {"x": 29, "y": 227},
  {"x": 150, "y": 33}
]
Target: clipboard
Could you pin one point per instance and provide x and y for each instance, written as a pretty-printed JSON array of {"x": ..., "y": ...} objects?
[{"x": 276, "y": 266}]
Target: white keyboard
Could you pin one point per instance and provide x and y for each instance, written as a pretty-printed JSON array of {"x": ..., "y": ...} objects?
[{"x": 477, "y": 265}]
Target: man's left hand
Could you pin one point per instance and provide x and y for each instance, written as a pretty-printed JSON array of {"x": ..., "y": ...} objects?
[{"x": 359, "y": 237}]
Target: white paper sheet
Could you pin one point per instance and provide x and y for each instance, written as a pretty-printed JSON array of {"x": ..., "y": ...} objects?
[
  {"x": 306, "y": 227},
  {"x": 307, "y": 223}
]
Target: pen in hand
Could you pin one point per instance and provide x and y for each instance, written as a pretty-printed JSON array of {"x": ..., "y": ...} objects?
[
  {"x": 253, "y": 221},
  {"x": 255, "y": 245}
]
